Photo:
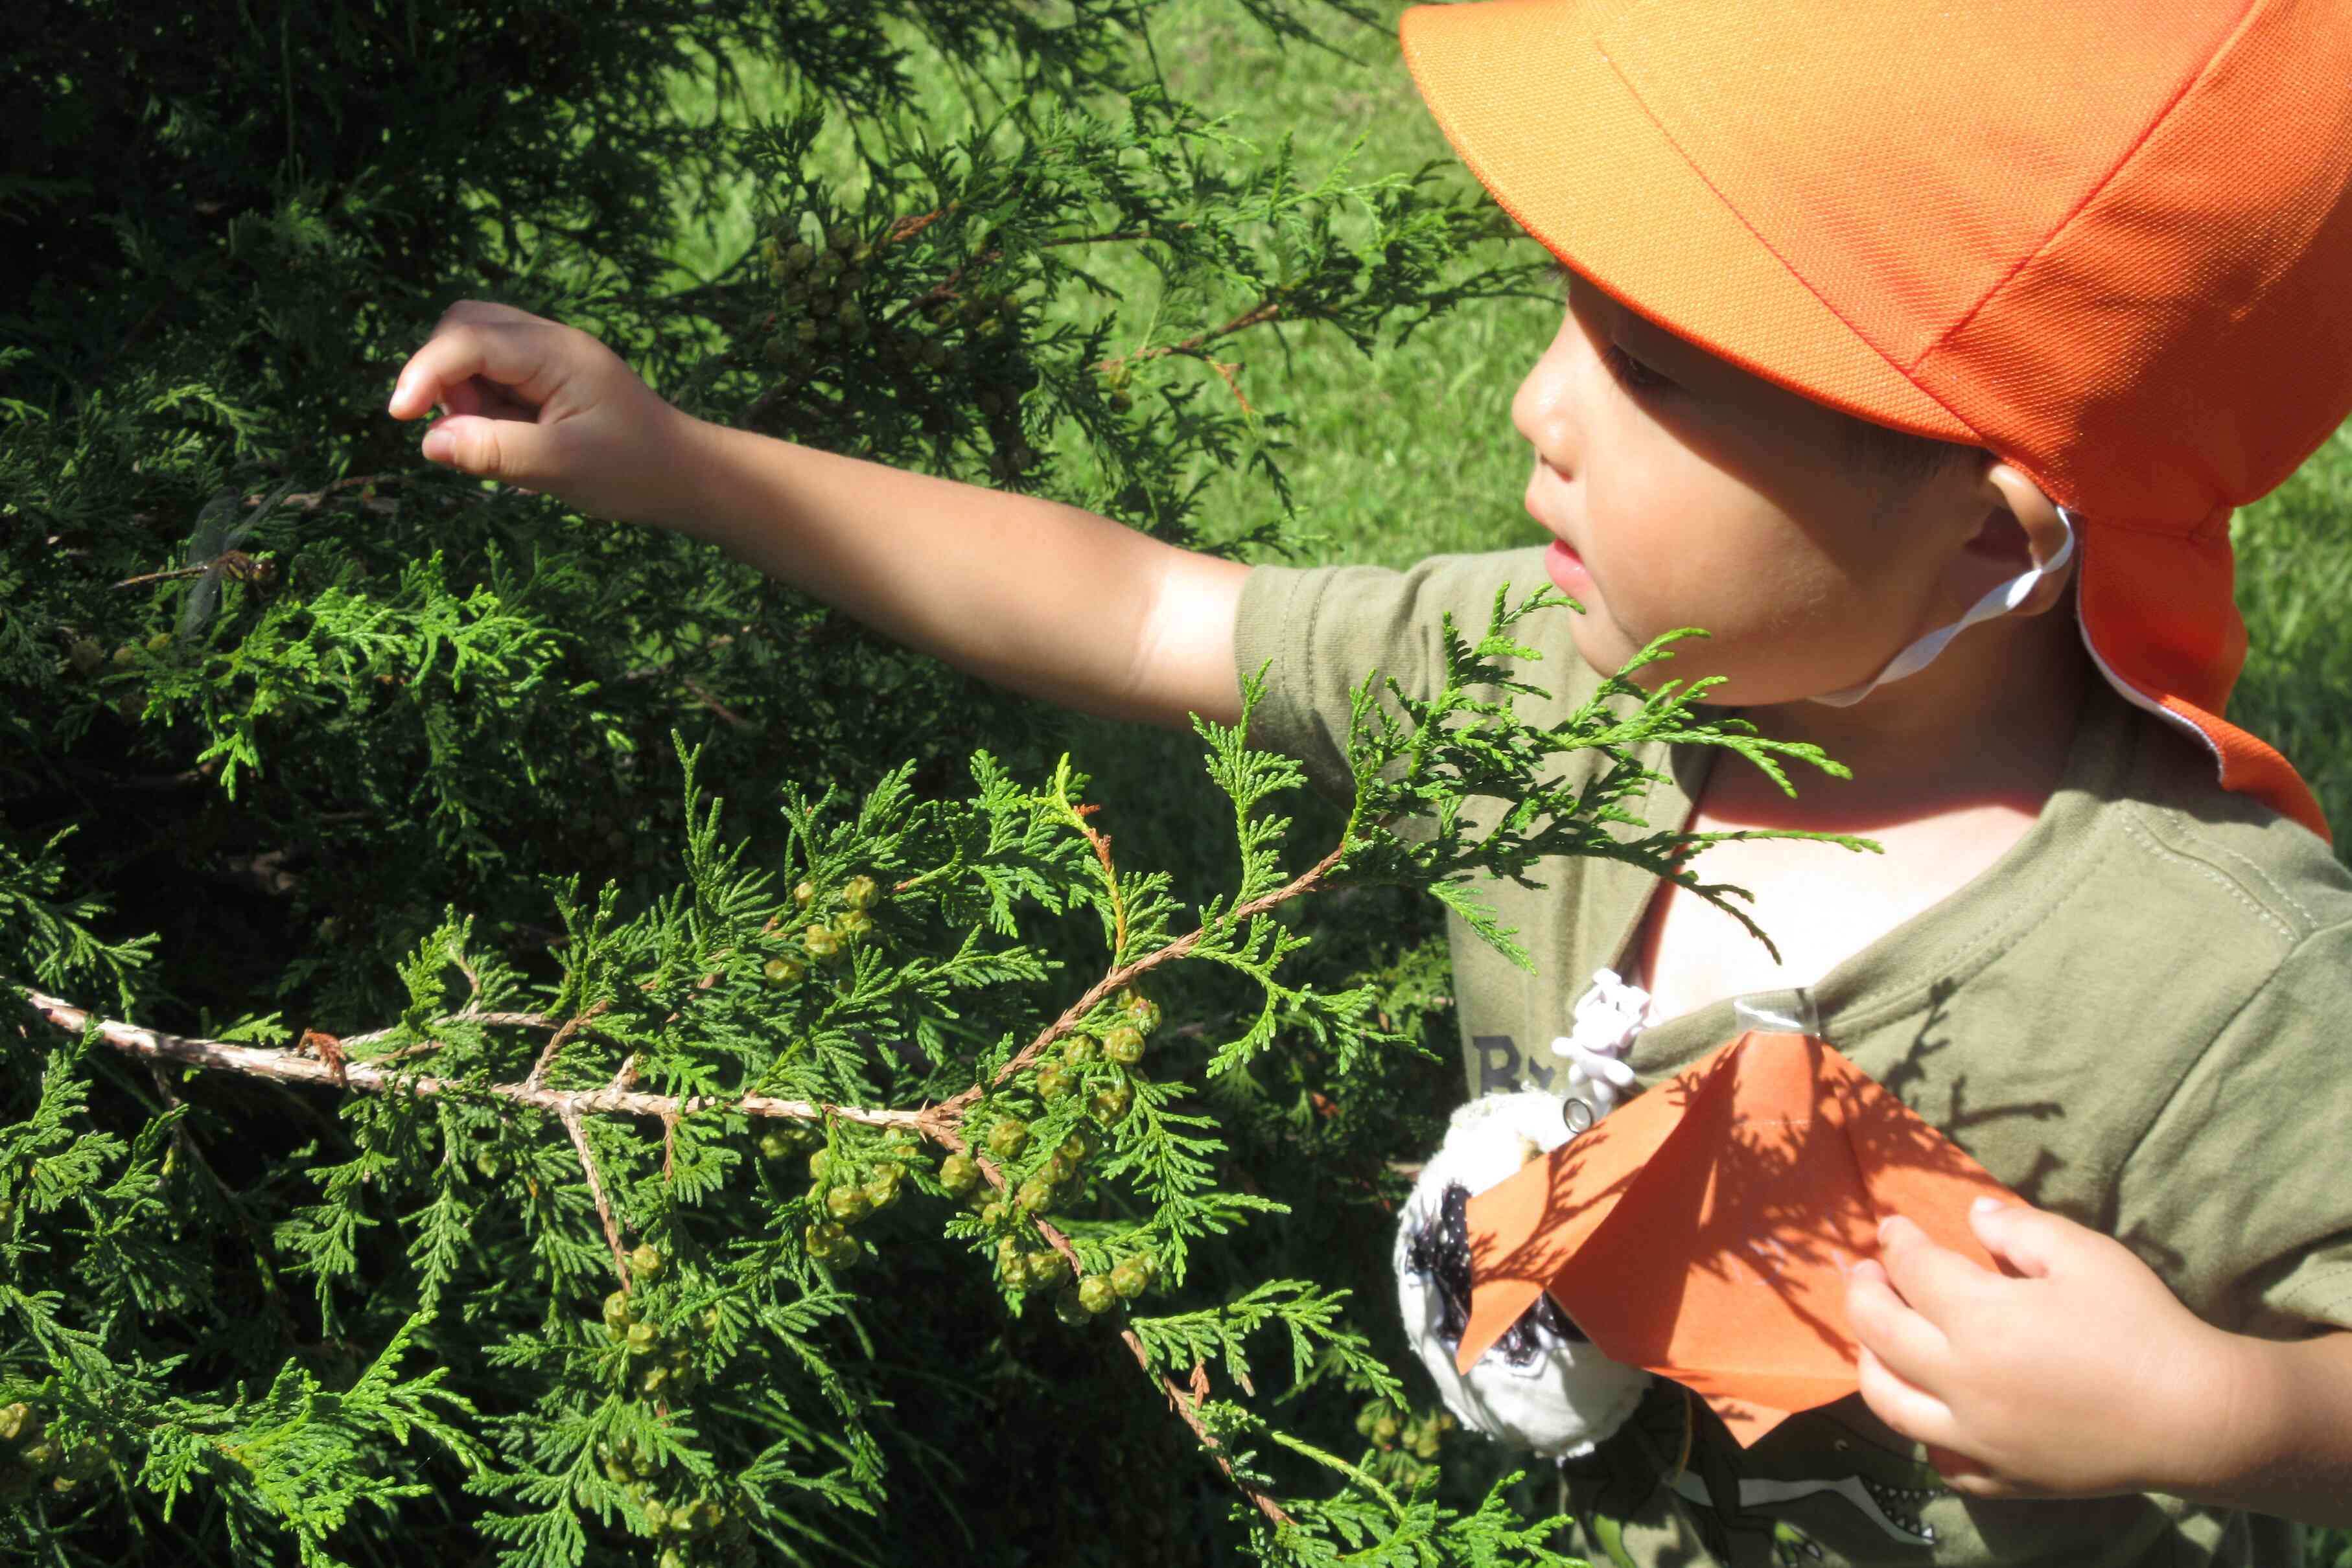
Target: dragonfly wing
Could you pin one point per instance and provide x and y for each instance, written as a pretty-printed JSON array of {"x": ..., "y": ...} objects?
[
  {"x": 268, "y": 504},
  {"x": 203, "y": 597},
  {"x": 212, "y": 528}
]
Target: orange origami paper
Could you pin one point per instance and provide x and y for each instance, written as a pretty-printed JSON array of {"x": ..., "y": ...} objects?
[{"x": 1702, "y": 1229}]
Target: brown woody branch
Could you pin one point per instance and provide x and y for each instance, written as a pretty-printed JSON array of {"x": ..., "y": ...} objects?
[
  {"x": 555, "y": 1043},
  {"x": 370, "y": 1078},
  {"x": 571, "y": 1120},
  {"x": 1186, "y": 1404}
]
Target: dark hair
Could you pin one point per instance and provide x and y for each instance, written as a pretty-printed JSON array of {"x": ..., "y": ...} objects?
[{"x": 1902, "y": 457}]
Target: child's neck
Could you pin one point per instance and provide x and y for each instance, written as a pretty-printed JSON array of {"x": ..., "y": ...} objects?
[
  {"x": 1988, "y": 723},
  {"x": 1950, "y": 768}
]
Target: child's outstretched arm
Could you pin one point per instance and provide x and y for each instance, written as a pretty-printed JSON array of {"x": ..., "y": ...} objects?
[
  {"x": 1045, "y": 598},
  {"x": 2084, "y": 1376}
]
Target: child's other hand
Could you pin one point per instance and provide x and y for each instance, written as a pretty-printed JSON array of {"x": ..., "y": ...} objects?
[
  {"x": 544, "y": 406},
  {"x": 2082, "y": 1376}
]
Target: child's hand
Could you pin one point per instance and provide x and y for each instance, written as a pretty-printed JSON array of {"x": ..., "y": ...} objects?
[
  {"x": 2083, "y": 1378},
  {"x": 544, "y": 406}
]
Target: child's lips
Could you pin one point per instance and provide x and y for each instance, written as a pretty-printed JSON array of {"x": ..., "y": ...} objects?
[
  {"x": 1561, "y": 562},
  {"x": 1567, "y": 570}
]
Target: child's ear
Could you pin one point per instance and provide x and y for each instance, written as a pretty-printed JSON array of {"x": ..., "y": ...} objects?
[{"x": 2021, "y": 529}]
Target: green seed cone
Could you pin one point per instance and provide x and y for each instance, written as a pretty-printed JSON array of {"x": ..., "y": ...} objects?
[
  {"x": 959, "y": 1174},
  {"x": 1130, "y": 1277}
]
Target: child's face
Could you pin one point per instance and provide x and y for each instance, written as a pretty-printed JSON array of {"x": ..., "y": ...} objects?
[{"x": 1685, "y": 491}]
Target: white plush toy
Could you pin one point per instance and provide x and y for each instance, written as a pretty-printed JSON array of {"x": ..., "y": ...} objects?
[
  {"x": 1609, "y": 1016},
  {"x": 1542, "y": 1386}
]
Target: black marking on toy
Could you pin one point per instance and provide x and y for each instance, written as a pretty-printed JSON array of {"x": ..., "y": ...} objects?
[{"x": 1440, "y": 1251}]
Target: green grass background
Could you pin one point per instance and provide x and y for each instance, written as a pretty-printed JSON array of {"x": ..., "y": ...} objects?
[{"x": 1410, "y": 451}]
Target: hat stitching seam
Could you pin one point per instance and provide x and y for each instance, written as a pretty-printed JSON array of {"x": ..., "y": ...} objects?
[
  {"x": 1770, "y": 248},
  {"x": 1908, "y": 371},
  {"x": 2179, "y": 96}
]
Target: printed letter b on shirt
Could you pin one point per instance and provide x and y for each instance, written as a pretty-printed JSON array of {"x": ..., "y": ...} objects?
[{"x": 1500, "y": 1066}]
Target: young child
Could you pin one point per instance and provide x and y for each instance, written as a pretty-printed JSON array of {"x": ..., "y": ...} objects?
[{"x": 1880, "y": 320}]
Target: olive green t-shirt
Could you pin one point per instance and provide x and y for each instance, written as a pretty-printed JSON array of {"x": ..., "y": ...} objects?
[{"x": 2139, "y": 1017}]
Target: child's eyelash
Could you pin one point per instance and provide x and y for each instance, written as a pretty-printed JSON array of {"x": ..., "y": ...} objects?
[
  {"x": 1632, "y": 373},
  {"x": 1629, "y": 372}
]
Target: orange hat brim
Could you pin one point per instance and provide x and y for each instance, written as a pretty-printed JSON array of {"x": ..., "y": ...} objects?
[{"x": 1524, "y": 94}]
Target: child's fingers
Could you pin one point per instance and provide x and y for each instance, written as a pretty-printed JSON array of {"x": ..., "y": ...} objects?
[
  {"x": 1914, "y": 1412},
  {"x": 1966, "y": 1475},
  {"x": 487, "y": 310},
  {"x": 1913, "y": 1348},
  {"x": 487, "y": 398},
  {"x": 1935, "y": 1280},
  {"x": 2032, "y": 1241},
  {"x": 507, "y": 449},
  {"x": 521, "y": 358}
]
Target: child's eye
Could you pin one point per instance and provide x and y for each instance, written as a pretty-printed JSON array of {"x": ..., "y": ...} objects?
[{"x": 1632, "y": 373}]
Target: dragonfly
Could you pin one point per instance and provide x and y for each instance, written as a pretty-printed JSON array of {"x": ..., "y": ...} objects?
[{"x": 213, "y": 554}]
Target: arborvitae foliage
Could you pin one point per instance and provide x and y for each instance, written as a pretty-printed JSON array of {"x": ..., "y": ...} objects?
[
  {"x": 618, "y": 1253},
  {"x": 546, "y": 1164}
]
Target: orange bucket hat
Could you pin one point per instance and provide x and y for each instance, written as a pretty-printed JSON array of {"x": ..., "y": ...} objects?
[{"x": 2109, "y": 243}]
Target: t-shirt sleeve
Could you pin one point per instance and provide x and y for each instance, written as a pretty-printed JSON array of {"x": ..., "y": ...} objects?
[
  {"x": 2240, "y": 1194},
  {"x": 1320, "y": 631}
]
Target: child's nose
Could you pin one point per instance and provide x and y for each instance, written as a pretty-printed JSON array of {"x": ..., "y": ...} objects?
[{"x": 1538, "y": 415}]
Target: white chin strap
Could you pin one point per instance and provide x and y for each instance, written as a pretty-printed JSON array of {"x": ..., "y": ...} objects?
[{"x": 2003, "y": 601}]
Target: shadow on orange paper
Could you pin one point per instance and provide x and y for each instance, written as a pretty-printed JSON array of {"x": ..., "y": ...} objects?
[{"x": 1703, "y": 1229}]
